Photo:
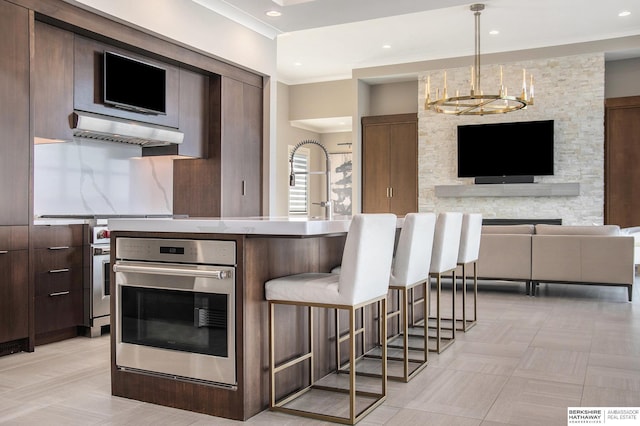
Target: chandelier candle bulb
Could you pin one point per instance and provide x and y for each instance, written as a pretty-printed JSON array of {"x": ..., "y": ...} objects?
[
  {"x": 531, "y": 91},
  {"x": 472, "y": 82},
  {"x": 444, "y": 90}
]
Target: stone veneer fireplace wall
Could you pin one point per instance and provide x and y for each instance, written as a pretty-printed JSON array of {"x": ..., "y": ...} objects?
[{"x": 569, "y": 90}]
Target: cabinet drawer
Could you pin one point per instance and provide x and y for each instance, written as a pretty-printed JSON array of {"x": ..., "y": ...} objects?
[
  {"x": 14, "y": 238},
  {"x": 58, "y": 312},
  {"x": 45, "y": 260},
  {"x": 45, "y": 236},
  {"x": 58, "y": 281}
]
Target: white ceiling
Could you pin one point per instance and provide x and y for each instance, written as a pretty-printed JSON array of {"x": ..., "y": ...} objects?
[{"x": 321, "y": 40}]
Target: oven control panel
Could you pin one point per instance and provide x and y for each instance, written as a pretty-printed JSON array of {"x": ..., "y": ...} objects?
[{"x": 209, "y": 252}]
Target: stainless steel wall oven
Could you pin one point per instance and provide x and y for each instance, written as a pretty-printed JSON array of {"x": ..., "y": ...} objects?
[{"x": 175, "y": 308}]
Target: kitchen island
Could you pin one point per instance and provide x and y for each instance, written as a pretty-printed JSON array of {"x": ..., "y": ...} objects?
[{"x": 265, "y": 248}]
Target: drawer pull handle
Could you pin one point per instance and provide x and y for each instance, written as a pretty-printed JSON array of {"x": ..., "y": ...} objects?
[
  {"x": 57, "y": 271},
  {"x": 59, "y": 248},
  {"x": 60, "y": 293},
  {"x": 4, "y": 251}
]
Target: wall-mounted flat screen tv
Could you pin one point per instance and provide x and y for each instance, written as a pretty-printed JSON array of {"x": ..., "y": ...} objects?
[
  {"x": 505, "y": 149},
  {"x": 134, "y": 85}
]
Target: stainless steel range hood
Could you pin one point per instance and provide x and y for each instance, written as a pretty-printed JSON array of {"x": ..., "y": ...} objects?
[{"x": 111, "y": 129}]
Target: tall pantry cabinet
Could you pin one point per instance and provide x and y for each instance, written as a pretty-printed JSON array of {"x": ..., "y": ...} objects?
[
  {"x": 390, "y": 164},
  {"x": 14, "y": 177}
]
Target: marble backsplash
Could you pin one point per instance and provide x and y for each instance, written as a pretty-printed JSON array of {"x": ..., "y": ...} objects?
[{"x": 86, "y": 177}]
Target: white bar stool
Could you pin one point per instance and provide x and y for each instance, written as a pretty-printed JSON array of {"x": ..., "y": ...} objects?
[
  {"x": 411, "y": 270},
  {"x": 364, "y": 280},
  {"x": 444, "y": 259},
  {"x": 469, "y": 253}
]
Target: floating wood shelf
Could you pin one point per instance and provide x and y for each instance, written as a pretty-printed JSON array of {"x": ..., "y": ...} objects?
[{"x": 571, "y": 189}]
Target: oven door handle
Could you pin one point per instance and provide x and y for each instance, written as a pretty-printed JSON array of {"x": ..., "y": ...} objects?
[{"x": 217, "y": 274}]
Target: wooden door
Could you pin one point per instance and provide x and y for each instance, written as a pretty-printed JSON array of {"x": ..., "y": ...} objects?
[
  {"x": 390, "y": 159},
  {"x": 403, "y": 166},
  {"x": 622, "y": 157},
  {"x": 375, "y": 168},
  {"x": 15, "y": 145}
]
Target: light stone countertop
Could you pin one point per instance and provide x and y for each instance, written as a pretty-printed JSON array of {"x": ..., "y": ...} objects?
[{"x": 297, "y": 226}]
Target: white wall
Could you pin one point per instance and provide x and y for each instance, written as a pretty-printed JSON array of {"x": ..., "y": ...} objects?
[
  {"x": 622, "y": 78},
  {"x": 320, "y": 100},
  {"x": 394, "y": 98},
  {"x": 569, "y": 90}
]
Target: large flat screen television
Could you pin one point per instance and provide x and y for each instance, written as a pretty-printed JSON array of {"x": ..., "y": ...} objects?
[
  {"x": 505, "y": 152},
  {"x": 134, "y": 85}
]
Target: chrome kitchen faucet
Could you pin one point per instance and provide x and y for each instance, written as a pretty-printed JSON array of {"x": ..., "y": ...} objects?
[{"x": 292, "y": 176}]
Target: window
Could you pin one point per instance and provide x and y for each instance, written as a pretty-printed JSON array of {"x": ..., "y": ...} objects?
[{"x": 299, "y": 194}]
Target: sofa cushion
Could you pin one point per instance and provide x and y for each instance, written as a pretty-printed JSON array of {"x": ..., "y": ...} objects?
[
  {"x": 507, "y": 229},
  {"x": 543, "y": 229}
]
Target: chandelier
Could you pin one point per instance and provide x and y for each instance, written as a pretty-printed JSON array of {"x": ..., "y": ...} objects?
[{"x": 477, "y": 102}]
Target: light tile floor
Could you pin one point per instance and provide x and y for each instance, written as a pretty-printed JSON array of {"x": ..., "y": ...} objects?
[{"x": 524, "y": 363}]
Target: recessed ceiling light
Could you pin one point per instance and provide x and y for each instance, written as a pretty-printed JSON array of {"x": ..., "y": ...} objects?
[
  {"x": 297, "y": 64},
  {"x": 386, "y": 46},
  {"x": 624, "y": 13},
  {"x": 494, "y": 32},
  {"x": 274, "y": 13}
]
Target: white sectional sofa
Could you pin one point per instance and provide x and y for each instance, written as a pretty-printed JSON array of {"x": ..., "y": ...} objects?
[
  {"x": 592, "y": 255},
  {"x": 505, "y": 253}
]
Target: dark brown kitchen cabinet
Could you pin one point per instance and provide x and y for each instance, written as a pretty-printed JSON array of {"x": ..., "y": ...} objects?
[
  {"x": 58, "y": 279},
  {"x": 194, "y": 123},
  {"x": 241, "y": 149},
  {"x": 15, "y": 145},
  {"x": 53, "y": 82},
  {"x": 14, "y": 288},
  {"x": 228, "y": 182},
  {"x": 390, "y": 164}
]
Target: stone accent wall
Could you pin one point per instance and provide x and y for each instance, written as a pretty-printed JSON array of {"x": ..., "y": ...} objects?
[{"x": 569, "y": 90}]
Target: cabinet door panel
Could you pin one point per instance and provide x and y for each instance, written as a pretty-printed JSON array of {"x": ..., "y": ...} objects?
[
  {"x": 14, "y": 295},
  {"x": 403, "y": 166},
  {"x": 231, "y": 147},
  {"x": 194, "y": 123},
  {"x": 53, "y": 82},
  {"x": 375, "y": 175},
  {"x": 241, "y": 147},
  {"x": 252, "y": 164},
  {"x": 45, "y": 236},
  {"x": 58, "y": 280},
  {"x": 58, "y": 311},
  {"x": 14, "y": 115}
]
